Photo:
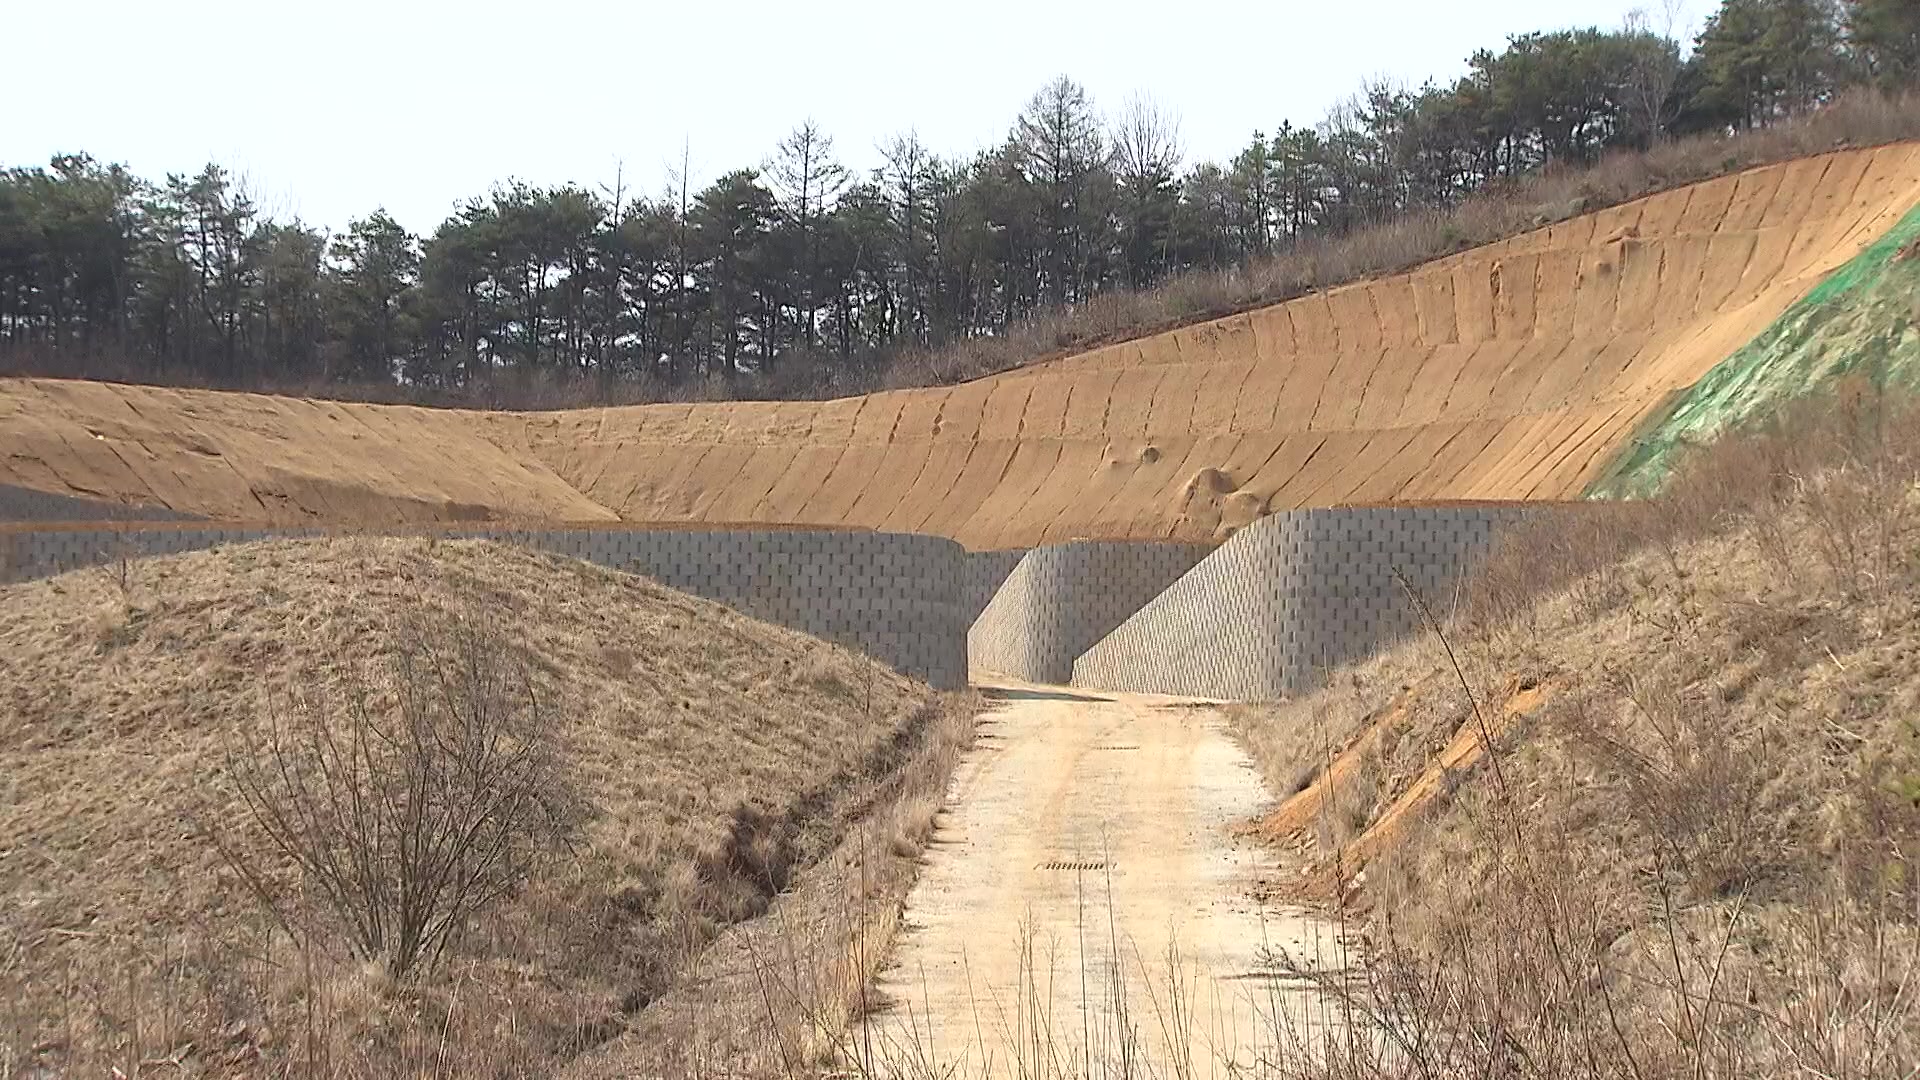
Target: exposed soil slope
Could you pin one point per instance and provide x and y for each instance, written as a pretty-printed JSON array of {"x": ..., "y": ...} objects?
[
  {"x": 1861, "y": 323},
  {"x": 255, "y": 457},
  {"x": 711, "y": 753},
  {"x": 1513, "y": 371}
]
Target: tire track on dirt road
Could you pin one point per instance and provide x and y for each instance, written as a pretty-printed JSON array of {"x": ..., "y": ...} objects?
[{"x": 1088, "y": 900}]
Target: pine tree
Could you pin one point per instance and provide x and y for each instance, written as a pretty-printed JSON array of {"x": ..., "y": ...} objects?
[
  {"x": 809, "y": 182},
  {"x": 907, "y": 183},
  {"x": 1884, "y": 37},
  {"x": 375, "y": 267},
  {"x": 1060, "y": 148}
]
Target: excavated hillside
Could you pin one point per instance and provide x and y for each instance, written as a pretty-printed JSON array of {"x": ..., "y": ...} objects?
[{"x": 1513, "y": 371}]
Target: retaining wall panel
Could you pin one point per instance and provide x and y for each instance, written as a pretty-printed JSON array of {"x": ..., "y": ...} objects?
[
  {"x": 1061, "y": 599},
  {"x": 18, "y": 504},
  {"x": 1290, "y": 597},
  {"x": 900, "y": 598}
]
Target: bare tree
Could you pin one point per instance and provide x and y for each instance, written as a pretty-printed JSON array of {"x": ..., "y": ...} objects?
[
  {"x": 1146, "y": 162},
  {"x": 905, "y": 180},
  {"x": 1061, "y": 146},
  {"x": 678, "y": 179},
  {"x": 1653, "y": 69},
  {"x": 1146, "y": 142}
]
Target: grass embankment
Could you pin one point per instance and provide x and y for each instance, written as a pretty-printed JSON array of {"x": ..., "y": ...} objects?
[
  {"x": 1651, "y": 807},
  {"x": 691, "y": 763}
]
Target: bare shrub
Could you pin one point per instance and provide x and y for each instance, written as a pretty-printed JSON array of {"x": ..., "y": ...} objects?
[
  {"x": 118, "y": 564},
  {"x": 1555, "y": 548},
  {"x": 1861, "y": 468},
  {"x": 1544, "y": 984},
  {"x": 408, "y": 821},
  {"x": 1696, "y": 789}
]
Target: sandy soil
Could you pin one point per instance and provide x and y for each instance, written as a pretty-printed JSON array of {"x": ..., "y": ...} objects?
[
  {"x": 1091, "y": 887},
  {"x": 1512, "y": 371}
]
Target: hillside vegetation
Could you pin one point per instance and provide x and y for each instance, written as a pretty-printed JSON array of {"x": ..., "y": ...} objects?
[
  {"x": 799, "y": 278},
  {"x": 671, "y": 764},
  {"x": 1517, "y": 370},
  {"x": 1651, "y": 806},
  {"x": 1862, "y": 323}
]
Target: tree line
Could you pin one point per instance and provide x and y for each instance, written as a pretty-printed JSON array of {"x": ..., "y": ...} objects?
[{"x": 798, "y": 276}]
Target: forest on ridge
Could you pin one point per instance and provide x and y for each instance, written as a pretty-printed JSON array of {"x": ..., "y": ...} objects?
[{"x": 796, "y": 277}]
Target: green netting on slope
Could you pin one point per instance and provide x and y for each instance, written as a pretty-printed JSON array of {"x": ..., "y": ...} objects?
[{"x": 1863, "y": 319}]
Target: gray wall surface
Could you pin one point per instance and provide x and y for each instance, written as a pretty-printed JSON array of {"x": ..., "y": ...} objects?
[
  {"x": 895, "y": 597},
  {"x": 1263, "y": 616},
  {"x": 1063, "y": 598},
  {"x": 26, "y": 504},
  {"x": 986, "y": 572},
  {"x": 1291, "y": 596}
]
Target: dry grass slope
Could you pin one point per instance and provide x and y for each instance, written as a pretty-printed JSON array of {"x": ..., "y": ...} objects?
[
  {"x": 1666, "y": 819},
  {"x": 713, "y": 756}
]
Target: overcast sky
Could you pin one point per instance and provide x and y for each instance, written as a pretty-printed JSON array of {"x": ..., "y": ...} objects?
[{"x": 330, "y": 109}]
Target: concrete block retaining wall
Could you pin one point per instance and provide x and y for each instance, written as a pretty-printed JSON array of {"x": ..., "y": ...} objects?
[
  {"x": 1291, "y": 596},
  {"x": 1263, "y": 616},
  {"x": 986, "y": 572},
  {"x": 26, "y": 504},
  {"x": 895, "y": 597},
  {"x": 1061, "y": 599}
]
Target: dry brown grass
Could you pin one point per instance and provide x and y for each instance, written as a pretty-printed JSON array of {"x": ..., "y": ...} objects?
[
  {"x": 717, "y": 757},
  {"x": 779, "y": 995},
  {"x": 1696, "y": 850}
]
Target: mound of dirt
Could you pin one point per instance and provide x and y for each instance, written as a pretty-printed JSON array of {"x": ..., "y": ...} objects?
[
  {"x": 711, "y": 755},
  {"x": 1512, "y": 371}
]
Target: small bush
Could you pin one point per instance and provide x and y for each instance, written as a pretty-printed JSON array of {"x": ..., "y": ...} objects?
[{"x": 415, "y": 807}]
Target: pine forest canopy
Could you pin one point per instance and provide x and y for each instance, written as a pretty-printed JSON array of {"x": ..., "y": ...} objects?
[{"x": 797, "y": 277}]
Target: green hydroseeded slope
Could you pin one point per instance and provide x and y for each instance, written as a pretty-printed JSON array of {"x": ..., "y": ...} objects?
[{"x": 1864, "y": 319}]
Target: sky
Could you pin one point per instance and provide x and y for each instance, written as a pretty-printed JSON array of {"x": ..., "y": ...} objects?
[{"x": 331, "y": 109}]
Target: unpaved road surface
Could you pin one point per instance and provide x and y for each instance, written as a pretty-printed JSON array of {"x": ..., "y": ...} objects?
[{"x": 1087, "y": 904}]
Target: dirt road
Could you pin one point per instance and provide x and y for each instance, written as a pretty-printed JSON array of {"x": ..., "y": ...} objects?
[{"x": 1087, "y": 907}]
